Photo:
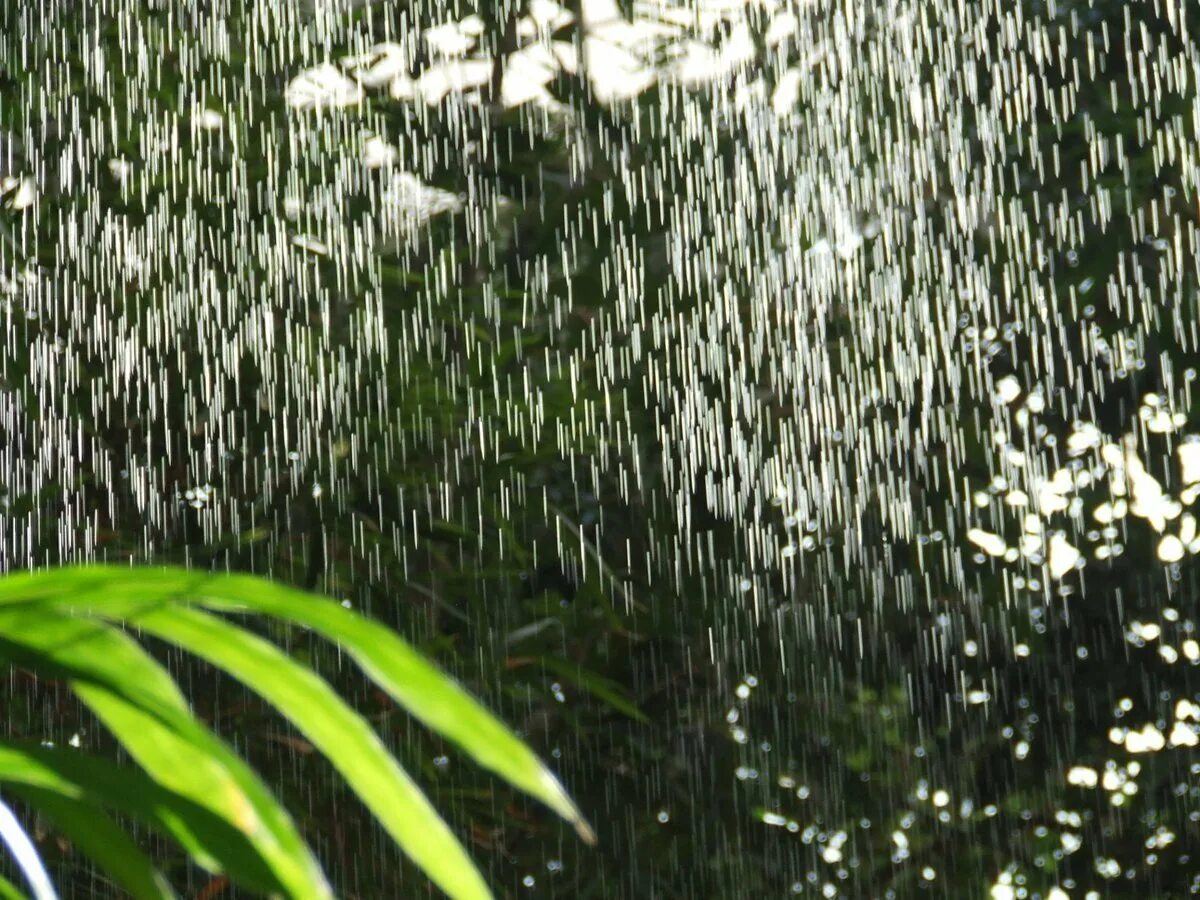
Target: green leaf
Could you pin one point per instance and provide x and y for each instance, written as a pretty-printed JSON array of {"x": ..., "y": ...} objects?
[
  {"x": 198, "y": 830},
  {"x": 332, "y": 727},
  {"x": 48, "y": 620},
  {"x": 136, "y": 699},
  {"x": 99, "y": 837},
  {"x": 413, "y": 682},
  {"x": 9, "y": 891},
  {"x": 388, "y": 660},
  {"x": 192, "y": 762}
]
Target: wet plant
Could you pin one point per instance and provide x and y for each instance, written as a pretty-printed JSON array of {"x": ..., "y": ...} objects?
[{"x": 82, "y": 625}]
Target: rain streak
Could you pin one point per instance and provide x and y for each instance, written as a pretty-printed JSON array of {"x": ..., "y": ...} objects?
[{"x": 785, "y": 412}]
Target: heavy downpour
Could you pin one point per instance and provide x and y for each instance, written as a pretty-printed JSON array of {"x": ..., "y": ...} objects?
[{"x": 600, "y": 448}]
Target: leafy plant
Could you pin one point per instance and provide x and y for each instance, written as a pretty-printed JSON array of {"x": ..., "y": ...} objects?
[{"x": 78, "y": 624}]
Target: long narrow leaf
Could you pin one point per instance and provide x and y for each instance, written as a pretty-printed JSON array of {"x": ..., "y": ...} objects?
[
  {"x": 75, "y": 775},
  {"x": 125, "y": 688},
  {"x": 340, "y": 733},
  {"x": 93, "y": 832},
  {"x": 400, "y": 670},
  {"x": 389, "y": 661},
  {"x": 9, "y": 891},
  {"x": 335, "y": 729}
]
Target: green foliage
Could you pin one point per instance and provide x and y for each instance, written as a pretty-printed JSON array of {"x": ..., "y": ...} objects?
[{"x": 75, "y": 624}]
